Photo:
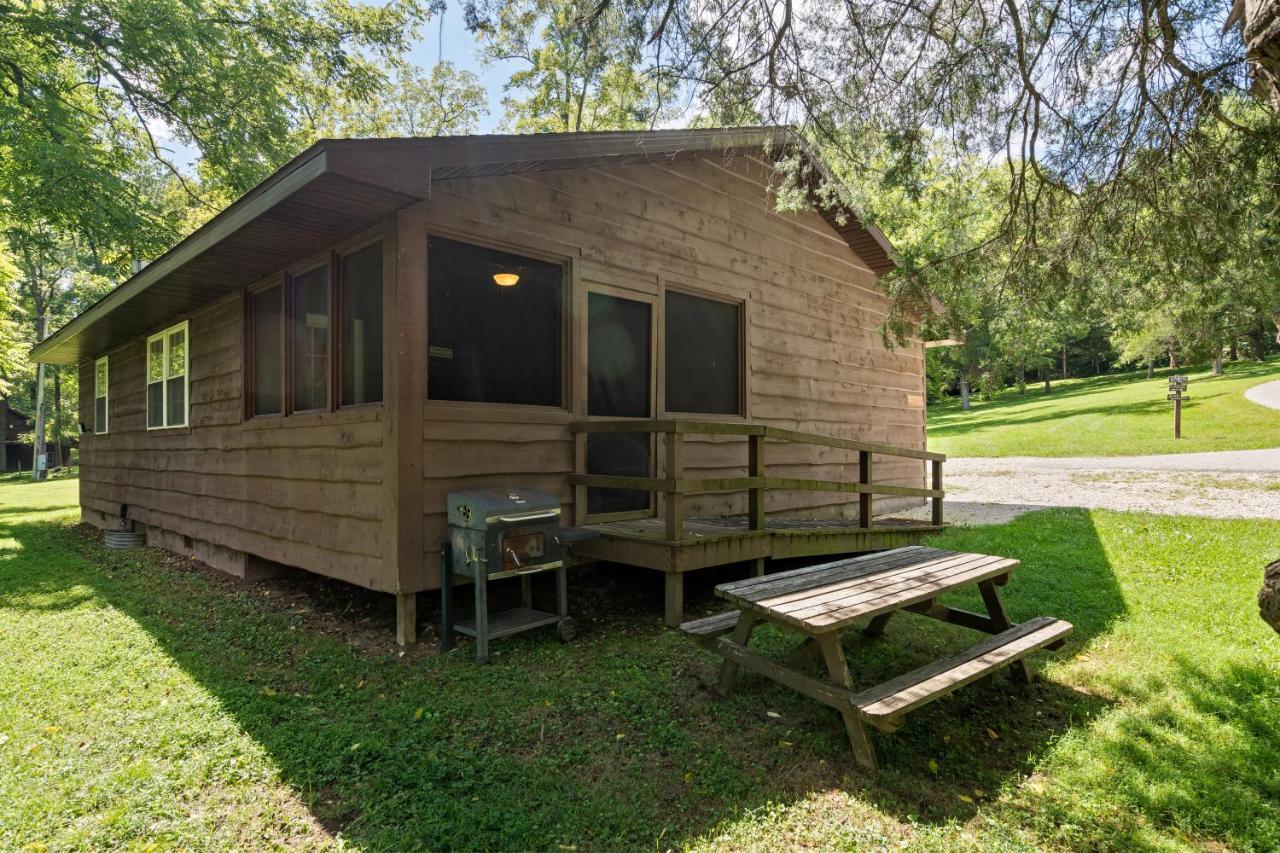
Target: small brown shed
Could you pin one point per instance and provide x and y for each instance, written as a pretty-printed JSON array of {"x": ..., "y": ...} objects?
[{"x": 381, "y": 322}]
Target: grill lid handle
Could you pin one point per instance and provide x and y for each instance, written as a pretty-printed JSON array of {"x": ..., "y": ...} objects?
[{"x": 536, "y": 515}]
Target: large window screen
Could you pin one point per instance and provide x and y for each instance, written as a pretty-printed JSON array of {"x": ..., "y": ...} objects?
[
  {"x": 268, "y": 373},
  {"x": 618, "y": 365},
  {"x": 489, "y": 343},
  {"x": 361, "y": 301},
  {"x": 310, "y": 311},
  {"x": 703, "y": 355}
]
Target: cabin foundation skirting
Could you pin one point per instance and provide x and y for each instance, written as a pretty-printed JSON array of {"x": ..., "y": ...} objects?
[{"x": 249, "y": 567}]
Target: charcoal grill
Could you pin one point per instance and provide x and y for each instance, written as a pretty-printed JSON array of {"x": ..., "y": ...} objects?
[{"x": 504, "y": 533}]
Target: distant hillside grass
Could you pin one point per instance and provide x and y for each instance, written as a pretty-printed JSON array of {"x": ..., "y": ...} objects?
[{"x": 1120, "y": 415}]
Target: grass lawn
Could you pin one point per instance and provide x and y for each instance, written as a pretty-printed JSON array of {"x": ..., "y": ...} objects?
[
  {"x": 1118, "y": 415},
  {"x": 144, "y": 701}
]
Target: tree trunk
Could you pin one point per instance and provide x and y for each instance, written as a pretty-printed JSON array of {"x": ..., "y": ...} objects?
[
  {"x": 42, "y": 324},
  {"x": 1151, "y": 369},
  {"x": 1097, "y": 366},
  {"x": 1235, "y": 351},
  {"x": 964, "y": 393},
  {"x": 58, "y": 461},
  {"x": 1173, "y": 360},
  {"x": 1269, "y": 596},
  {"x": 1044, "y": 371},
  {"x": 1217, "y": 362},
  {"x": 1064, "y": 361}
]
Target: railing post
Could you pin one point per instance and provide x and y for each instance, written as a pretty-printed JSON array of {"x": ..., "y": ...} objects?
[
  {"x": 864, "y": 498},
  {"x": 755, "y": 468},
  {"x": 674, "y": 471},
  {"x": 937, "y": 486}
]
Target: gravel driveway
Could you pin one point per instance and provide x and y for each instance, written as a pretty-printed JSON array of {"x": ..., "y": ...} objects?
[{"x": 1230, "y": 484}]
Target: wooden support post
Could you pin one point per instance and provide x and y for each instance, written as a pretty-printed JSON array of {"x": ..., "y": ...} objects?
[
  {"x": 877, "y": 625},
  {"x": 757, "y": 567},
  {"x": 580, "y": 466},
  {"x": 406, "y": 618},
  {"x": 864, "y": 498},
  {"x": 674, "y": 599},
  {"x": 1000, "y": 622},
  {"x": 937, "y": 485},
  {"x": 742, "y": 636},
  {"x": 755, "y": 468},
  {"x": 404, "y": 370},
  {"x": 674, "y": 470},
  {"x": 863, "y": 751}
]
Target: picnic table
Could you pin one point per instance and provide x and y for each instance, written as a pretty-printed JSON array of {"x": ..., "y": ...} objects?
[{"x": 822, "y": 602}]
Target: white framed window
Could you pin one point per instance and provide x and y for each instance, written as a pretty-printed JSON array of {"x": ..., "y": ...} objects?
[
  {"x": 168, "y": 359},
  {"x": 101, "y": 373}
]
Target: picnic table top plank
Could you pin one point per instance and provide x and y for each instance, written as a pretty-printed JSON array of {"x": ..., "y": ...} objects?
[
  {"x": 829, "y": 597},
  {"x": 799, "y": 599},
  {"x": 878, "y": 587},
  {"x": 835, "y": 569}
]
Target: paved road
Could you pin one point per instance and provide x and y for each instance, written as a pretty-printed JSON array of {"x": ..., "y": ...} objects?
[{"x": 1267, "y": 394}]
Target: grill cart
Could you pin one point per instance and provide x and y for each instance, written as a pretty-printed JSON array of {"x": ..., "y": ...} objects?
[{"x": 504, "y": 533}]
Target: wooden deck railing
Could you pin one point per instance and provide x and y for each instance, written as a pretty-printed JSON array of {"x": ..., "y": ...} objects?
[{"x": 674, "y": 485}]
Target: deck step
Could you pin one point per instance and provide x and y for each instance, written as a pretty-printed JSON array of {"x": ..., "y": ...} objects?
[
  {"x": 886, "y": 702},
  {"x": 711, "y": 626}
]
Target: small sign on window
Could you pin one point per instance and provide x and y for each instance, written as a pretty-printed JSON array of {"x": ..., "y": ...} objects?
[{"x": 440, "y": 352}]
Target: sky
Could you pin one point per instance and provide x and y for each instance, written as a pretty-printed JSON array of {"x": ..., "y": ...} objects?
[{"x": 446, "y": 38}]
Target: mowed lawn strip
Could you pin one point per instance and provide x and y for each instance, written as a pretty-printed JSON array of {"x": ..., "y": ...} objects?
[
  {"x": 1121, "y": 415},
  {"x": 142, "y": 702}
]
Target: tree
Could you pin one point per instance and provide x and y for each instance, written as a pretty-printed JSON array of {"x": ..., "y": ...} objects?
[
  {"x": 84, "y": 89},
  {"x": 1079, "y": 105},
  {"x": 85, "y": 182},
  {"x": 448, "y": 100},
  {"x": 583, "y": 64}
]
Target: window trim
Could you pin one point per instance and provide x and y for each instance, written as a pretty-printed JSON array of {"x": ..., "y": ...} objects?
[
  {"x": 742, "y": 301},
  {"x": 105, "y": 395},
  {"x": 549, "y": 252},
  {"x": 185, "y": 327}
]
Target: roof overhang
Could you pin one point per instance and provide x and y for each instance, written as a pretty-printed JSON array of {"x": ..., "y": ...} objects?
[{"x": 337, "y": 188}]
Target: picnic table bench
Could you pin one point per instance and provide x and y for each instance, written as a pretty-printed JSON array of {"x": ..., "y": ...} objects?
[{"x": 821, "y": 602}]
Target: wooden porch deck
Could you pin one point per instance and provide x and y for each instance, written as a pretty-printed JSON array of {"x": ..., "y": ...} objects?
[
  {"x": 719, "y": 541},
  {"x": 674, "y": 543}
]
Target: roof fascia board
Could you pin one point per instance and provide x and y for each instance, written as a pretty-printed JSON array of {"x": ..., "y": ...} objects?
[{"x": 210, "y": 234}]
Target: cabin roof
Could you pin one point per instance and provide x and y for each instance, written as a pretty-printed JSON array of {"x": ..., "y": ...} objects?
[{"x": 338, "y": 187}]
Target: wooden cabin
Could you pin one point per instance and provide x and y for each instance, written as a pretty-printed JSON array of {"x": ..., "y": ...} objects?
[{"x": 624, "y": 320}]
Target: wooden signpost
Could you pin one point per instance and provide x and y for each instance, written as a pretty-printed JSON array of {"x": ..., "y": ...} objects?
[{"x": 1177, "y": 386}]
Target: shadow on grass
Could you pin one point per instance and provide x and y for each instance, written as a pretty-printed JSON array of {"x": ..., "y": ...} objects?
[
  {"x": 1194, "y": 751},
  {"x": 613, "y": 740},
  {"x": 989, "y": 420}
]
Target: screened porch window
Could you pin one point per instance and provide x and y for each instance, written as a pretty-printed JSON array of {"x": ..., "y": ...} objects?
[
  {"x": 494, "y": 325},
  {"x": 703, "y": 355},
  {"x": 101, "y": 373},
  {"x": 360, "y": 307},
  {"x": 167, "y": 368},
  {"x": 309, "y": 308},
  {"x": 266, "y": 309}
]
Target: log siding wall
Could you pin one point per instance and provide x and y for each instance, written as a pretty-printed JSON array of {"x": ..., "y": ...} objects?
[
  {"x": 814, "y": 361},
  {"x": 304, "y": 490},
  {"x": 309, "y": 490}
]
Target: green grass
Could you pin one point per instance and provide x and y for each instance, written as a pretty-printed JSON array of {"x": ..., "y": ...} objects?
[
  {"x": 1118, "y": 415},
  {"x": 146, "y": 702}
]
